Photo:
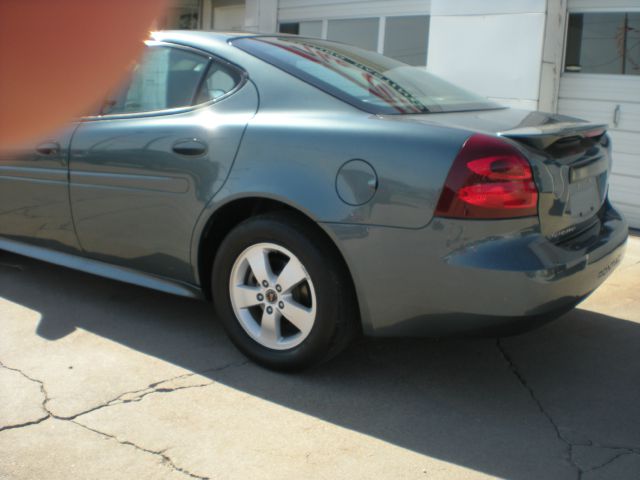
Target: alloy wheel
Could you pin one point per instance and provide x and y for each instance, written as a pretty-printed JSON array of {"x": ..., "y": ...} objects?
[{"x": 272, "y": 296}]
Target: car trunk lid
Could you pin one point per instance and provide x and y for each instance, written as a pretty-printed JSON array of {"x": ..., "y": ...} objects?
[
  {"x": 571, "y": 160},
  {"x": 573, "y": 163}
]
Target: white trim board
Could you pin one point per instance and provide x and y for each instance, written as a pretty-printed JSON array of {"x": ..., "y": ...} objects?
[
  {"x": 300, "y": 10},
  {"x": 578, "y": 6}
]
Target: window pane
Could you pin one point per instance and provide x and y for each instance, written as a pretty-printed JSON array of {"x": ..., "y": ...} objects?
[
  {"x": 220, "y": 81},
  {"x": 291, "y": 28},
  {"x": 165, "y": 78},
  {"x": 182, "y": 15},
  {"x": 361, "y": 32},
  {"x": 406, "y": 39},
  {"x": 574, "y": 43},
  {"x": 603, "y": 43},
  {"x": 311, "y": 29}
]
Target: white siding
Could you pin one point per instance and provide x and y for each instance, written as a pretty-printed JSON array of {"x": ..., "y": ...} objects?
[
  {"x": 229, "y": 18},
  {"x": 492, "y": 48},
  {"x": 261, "y": 16},
  {"x": 603, "y": 5},
  {"x": 616, "y": 88},
  {"x": 293, "y": 10},
  {"x": 493, "y": 7}
]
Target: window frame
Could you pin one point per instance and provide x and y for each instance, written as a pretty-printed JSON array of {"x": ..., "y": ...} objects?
[
  {"x": 585, "y": 10},
  {"x": 210, "y": 59}
]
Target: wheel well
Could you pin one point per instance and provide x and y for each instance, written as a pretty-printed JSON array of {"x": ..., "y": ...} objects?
[{"x": 233, "y": 213}]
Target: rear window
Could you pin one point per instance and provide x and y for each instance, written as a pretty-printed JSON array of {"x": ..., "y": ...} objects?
[{"x": 367, "y": 80}]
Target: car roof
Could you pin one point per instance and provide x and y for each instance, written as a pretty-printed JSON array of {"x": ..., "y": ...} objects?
[{"x": 198, "y": 38}]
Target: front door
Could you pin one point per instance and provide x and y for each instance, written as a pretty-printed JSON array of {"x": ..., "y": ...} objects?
[
  {"x": 142, "y": 173},
  {"x": 34, "y": 193}
]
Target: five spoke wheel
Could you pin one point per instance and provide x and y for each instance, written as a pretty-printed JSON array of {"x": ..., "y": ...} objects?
[{"x": 272, "y": 296}]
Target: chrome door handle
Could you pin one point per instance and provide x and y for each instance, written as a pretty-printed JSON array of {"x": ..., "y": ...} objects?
[
  {"x": 190, "y": 148},
  {"x": 48, "y": 148},
  {"x": 616, "y": 116}
]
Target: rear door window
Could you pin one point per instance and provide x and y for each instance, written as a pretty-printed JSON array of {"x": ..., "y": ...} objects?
[
  {"x": 219, "y": 81},
  {"x": 165, "y": 78}
]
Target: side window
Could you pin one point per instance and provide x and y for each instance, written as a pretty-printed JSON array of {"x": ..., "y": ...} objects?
[
  {"x": 219, "y": 81},
  {"x": 165, "y": 78}
]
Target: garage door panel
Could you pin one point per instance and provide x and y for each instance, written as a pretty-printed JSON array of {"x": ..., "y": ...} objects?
[
  {"x": 625, "y": 195},
  {"x": 613, "y": 88},
  {"x": 602, "y": 112},
  {"x": 629, "y": 165},
  {"x": 626, "y": 143}
]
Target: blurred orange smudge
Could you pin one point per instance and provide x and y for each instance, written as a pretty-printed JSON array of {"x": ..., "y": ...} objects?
[{"x": 58, "y": 59}]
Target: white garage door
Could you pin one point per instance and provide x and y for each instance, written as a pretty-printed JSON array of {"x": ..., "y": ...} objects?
[
  {"x": 229, "y": 19},
  {"x": 601, "y": 83}
]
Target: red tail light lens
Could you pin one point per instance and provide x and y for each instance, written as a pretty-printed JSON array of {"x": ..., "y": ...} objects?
[{"x": 489, "y": 179}]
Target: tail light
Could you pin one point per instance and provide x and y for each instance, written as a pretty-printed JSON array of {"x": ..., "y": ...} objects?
[{"x": 489, "y": 179}]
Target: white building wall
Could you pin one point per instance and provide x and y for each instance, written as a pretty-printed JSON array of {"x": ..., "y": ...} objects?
[
  {"x": 294, "y": 10},
  {"x": 261, "y": 16},
  {"x": 470, "y": 36}
]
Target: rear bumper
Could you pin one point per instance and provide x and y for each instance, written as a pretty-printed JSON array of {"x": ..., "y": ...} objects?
[{"x": 473, "y": 276}]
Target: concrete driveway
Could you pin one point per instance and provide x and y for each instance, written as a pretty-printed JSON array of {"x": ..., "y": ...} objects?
[{"x": 102, "y": 380}]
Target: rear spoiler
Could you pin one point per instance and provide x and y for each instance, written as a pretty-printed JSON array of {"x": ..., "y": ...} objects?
[{"x": 543, "y": 136}]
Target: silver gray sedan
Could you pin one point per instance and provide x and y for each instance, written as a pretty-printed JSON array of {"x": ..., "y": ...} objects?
[{"x": 313, "y": 190}]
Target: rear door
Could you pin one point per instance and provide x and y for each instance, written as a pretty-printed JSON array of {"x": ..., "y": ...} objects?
[
  {"x": 34, "y": 193},
  {"x": 601, "y": 82},
  {"x": 142, "y": 172}
]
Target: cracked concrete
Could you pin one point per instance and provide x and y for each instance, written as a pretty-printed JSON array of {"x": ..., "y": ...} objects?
[
  {"x": 624, "y": 465},
  {"x": 569, "y": 446},
  {"x": 590, "y": 459},
  {"x": 21, "y": 400},
  {"x": 161, "y": 453},
  {"x": 583, "y": 455},
  {"x": 260, "y": 439},
  {"x": 181, "y": 382},
  {"x": 103, "y": 380},
  {"x": 57, "y": 449}
]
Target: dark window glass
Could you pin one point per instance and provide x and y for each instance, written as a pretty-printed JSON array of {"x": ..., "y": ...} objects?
[
  {"x": 292, "y": 28},
  {"x": 367, "y": 80},
  {"x": 165, "y": 78},
  {"x": 603, "y": 43},
  {"x": 219, "y": 81}
]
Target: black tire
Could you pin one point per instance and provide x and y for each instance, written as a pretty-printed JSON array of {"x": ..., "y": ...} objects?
[{"x": 336, "y": 312}]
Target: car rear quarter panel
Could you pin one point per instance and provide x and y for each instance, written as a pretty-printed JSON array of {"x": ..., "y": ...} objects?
[{"x": 296, "y": 156}]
